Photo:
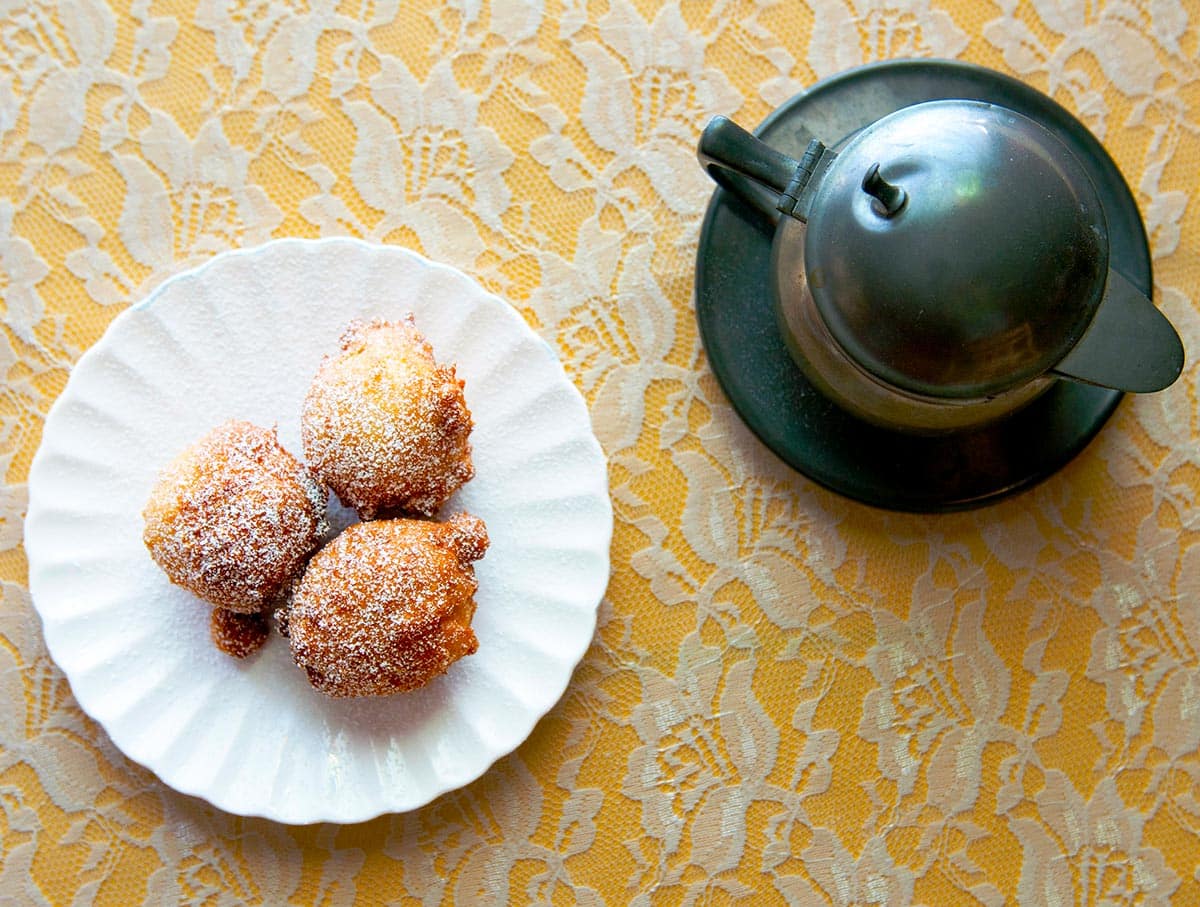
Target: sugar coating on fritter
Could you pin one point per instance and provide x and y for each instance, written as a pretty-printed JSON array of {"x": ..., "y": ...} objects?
[
  {"x": 233, "y": 518},
  {"x": 387, "y": 605},
  {"x": 236, "y": 633},
  {"x": 385, "y": 426}
]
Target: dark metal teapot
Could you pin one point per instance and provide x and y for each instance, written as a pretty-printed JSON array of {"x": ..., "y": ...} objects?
[{"x": 945, "y": 267}]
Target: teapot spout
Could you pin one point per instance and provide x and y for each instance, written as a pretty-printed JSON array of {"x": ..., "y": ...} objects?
[{"x": 1129, "y": 345}]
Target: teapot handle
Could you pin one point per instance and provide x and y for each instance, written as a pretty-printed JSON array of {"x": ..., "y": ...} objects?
[
  {"x": 767, "y": 179},
  {"x": 745, "y": 165}
]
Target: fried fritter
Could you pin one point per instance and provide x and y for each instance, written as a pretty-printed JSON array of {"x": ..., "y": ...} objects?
[
  {"x": 387, "y": 605},
  {"x": 234, "y": 517},
  {"x": 385, "y": 426},
  {"x": 238, "y": 634}
]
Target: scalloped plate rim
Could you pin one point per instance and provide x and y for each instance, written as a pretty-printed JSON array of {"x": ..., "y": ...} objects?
[{"x": 272, "y": 811}]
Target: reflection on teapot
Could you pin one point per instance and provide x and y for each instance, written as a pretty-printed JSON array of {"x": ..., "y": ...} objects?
[{"x": 944, "y": 266}]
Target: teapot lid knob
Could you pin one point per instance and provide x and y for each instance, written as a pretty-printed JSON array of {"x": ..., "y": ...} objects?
[{"x": 890, "y": 199}]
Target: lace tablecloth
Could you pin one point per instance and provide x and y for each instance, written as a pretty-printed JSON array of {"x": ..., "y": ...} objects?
[{"x": 790, "y": 698}]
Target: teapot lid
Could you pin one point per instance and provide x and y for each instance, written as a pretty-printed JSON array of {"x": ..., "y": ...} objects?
[{"x": 956, "y": 249}]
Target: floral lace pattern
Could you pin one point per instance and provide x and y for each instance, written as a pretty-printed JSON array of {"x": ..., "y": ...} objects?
[{"x": 790, "y": 699}]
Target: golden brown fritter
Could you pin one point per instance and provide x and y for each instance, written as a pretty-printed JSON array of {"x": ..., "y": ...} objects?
[
  {"x": 236, "y": 633},
  {"x": 387, "y": 605},
  {"x": 385, "y": 426},
  {"x": 234, "y": 517}
]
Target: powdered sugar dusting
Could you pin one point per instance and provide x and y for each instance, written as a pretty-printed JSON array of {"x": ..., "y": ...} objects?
[
  {"x": 233, "y": 517},
  {"x": 384, "y": 425},
  {"x": 238, "y": 634},
  {"x": 387, "y": 605}
]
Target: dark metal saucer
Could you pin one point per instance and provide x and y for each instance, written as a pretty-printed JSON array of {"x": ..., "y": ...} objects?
[{"x": 747, "y": 352}]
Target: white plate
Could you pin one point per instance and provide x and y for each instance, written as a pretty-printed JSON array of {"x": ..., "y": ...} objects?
[{"x": 241, "y": 338}]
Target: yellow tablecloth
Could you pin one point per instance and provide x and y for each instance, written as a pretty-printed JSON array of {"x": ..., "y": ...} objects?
[{"x": 791, "y": 698}]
